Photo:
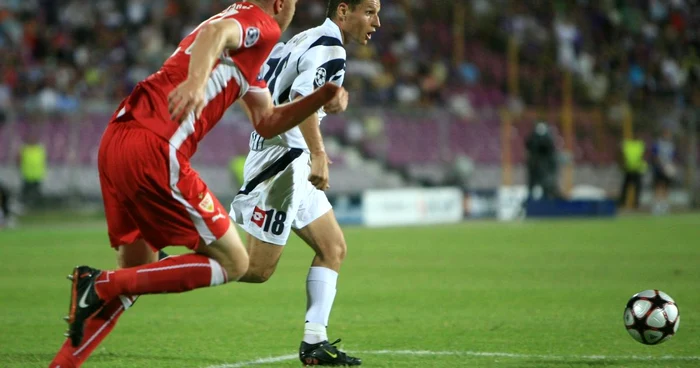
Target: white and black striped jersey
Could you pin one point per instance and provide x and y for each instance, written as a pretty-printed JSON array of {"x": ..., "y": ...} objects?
[{"x": 306, "y": 62}]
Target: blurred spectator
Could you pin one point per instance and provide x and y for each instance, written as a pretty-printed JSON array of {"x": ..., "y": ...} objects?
[
  {"x": 541, "y": 163},
  {"x": 459, "y": 172},
  {"x": 5, "y": 215},
  {"x": 633, "y": 167},
  {"x": 32, "y": 161},
  {"x": 664, "y": 169},
  {"x": 66, "y": 50},
  {"x": 567, "y": 34},
  {"x": 597, "y": 85}
]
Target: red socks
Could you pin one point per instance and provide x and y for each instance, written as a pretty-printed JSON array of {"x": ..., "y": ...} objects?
[
  {"x": 96, "y": 329},
  {"x": 170, "y": 275}
]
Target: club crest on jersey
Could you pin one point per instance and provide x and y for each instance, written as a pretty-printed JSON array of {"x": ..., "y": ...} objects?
[
  {"x": 258, "y": 216},
  {"x": 206, "y": 204},
  {"x": 252, "y": 35},
  {"x": 320, "y": 78}
]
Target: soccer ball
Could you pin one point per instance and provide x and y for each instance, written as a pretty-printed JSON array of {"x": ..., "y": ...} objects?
[{"x": 651, "y": 317}]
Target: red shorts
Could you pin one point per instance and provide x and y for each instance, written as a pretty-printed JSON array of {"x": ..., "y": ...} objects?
[{"x": 151, "y": 192}]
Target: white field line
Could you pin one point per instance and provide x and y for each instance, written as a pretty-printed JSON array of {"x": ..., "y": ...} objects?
[
  {"x": 277, "y": 359},
  {"x": 283, "y": 358}
]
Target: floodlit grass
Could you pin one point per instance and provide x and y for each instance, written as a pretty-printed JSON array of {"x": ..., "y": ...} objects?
[{"x": 535, "y": 294}]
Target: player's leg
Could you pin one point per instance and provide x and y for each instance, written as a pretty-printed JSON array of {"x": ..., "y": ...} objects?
[
  {"x": 4, "y": 206},
  {"x": 530, "y": 181},
  {"x": 263, "y": 257},
  {"x": 213, "y": 263},
  {"x": 101, "y": 324},
  {"x": 172, "y": 206},
  {"x": 624, "y": 189},
  {"x": 265, "y": 206},
  {"x": 664, "y": 187},
  {"x": 661, "y": 182},
  {"x": 637, "y": 185},
  {"x": 324, "y": 236},
  {"x": 136, "y": 254}
]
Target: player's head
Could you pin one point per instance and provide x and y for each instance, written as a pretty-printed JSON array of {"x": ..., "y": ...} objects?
[
  {"x": 282, "y": 11},
  {"x": 357, "y": 19}
]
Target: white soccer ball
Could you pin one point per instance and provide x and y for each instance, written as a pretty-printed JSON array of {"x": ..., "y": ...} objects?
[{"x": 651, "y": 317}]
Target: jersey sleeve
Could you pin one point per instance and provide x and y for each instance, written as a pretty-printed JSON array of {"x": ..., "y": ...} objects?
[
  {"x": 259, "y": 85},
  {"x": 267, "y": 69},
  {"x": 323, "y": 62},
  {"x": 248, "y": 25}
]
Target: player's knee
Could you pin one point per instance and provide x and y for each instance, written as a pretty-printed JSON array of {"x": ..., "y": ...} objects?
[
  {"x": 237, "y": 266},
  {"x": 136, "y": 254},
  {"x": 257, "y": 275},
  {"x": 334, "y": 251},
  {"x": 234, "y": 261}
]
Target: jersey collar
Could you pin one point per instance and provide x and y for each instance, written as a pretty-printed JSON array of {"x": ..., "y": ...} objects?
[{"x": 335, "y": 30}]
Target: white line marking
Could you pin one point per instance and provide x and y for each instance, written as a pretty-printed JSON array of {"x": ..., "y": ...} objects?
[
  {"x": 527, "y": 356},
  {"x": 283, "y": 358}
]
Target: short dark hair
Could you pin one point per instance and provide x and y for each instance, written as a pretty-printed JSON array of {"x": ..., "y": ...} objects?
[{"x": 334, "y": 4}]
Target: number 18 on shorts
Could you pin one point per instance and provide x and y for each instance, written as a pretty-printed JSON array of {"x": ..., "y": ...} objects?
[
  {"x": 271, "y": 221},
  {"x": 277, "y": 196}
]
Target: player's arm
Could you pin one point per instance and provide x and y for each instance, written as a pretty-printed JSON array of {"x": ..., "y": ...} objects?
[
  {"x": 212, "y": 39},
  {"x": 311, "y": 130},
  {"x": 270, "y": 121},
  {"x": 317, "y": 67}
]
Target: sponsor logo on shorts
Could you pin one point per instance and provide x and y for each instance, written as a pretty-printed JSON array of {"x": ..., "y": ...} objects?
[
  {"x": 258, "y": 216},
  {"x": 206, "y": 204}
]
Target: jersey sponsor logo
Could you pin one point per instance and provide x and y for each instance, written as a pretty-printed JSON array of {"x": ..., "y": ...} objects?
[
  {"x": 252, "y": 35},
  {"x": 206, "y": 204},
  {"x": 258, "y": 216},
  {"x": 320, "y": 78}
]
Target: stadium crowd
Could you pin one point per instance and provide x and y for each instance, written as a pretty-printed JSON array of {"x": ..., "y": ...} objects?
[{"x": 54, "y": 52}]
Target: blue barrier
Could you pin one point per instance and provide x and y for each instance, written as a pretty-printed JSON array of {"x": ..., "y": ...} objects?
[{"x": 575, "y": 208}]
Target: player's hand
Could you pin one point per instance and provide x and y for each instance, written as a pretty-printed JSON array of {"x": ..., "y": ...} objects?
[
  {"x": 184, "y": 99},
  {"x": 339, "y": 103},
  {"x": 319, "y": 176}
]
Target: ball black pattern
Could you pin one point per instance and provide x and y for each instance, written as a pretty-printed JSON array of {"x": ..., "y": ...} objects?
[{"x": 651, "y": 317}]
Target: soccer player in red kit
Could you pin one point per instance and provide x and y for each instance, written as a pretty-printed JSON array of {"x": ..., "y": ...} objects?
[{"x": 152, "y": 196}]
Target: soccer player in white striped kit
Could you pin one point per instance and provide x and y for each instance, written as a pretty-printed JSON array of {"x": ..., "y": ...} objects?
[{"x": 284, "y": 177}]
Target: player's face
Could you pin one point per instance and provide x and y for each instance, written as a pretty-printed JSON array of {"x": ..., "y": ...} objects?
[
  {"x": 285, "y": 12},
  {"x": 363, "y": 21}
]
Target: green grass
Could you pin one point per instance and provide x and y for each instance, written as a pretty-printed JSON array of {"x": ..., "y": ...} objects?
[{"x": 550, "y": 292}]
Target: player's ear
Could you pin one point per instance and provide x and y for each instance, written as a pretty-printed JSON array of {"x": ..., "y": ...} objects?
[
  {"x": 278, "y": 5},
  {"x": 342, "y": 12}
]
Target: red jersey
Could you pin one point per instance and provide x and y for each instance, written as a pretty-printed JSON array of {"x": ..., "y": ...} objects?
[{"x": 235, "y": 73}]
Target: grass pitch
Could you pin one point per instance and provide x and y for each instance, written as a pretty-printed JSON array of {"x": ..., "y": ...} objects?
[{"x": 480, "y": 294}]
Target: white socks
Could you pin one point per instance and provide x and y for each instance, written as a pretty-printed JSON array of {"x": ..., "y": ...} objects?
[{"x": 320, "y": 293}]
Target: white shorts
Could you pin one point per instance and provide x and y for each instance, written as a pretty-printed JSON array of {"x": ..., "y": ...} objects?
[{"x": 277, "y": 194}]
